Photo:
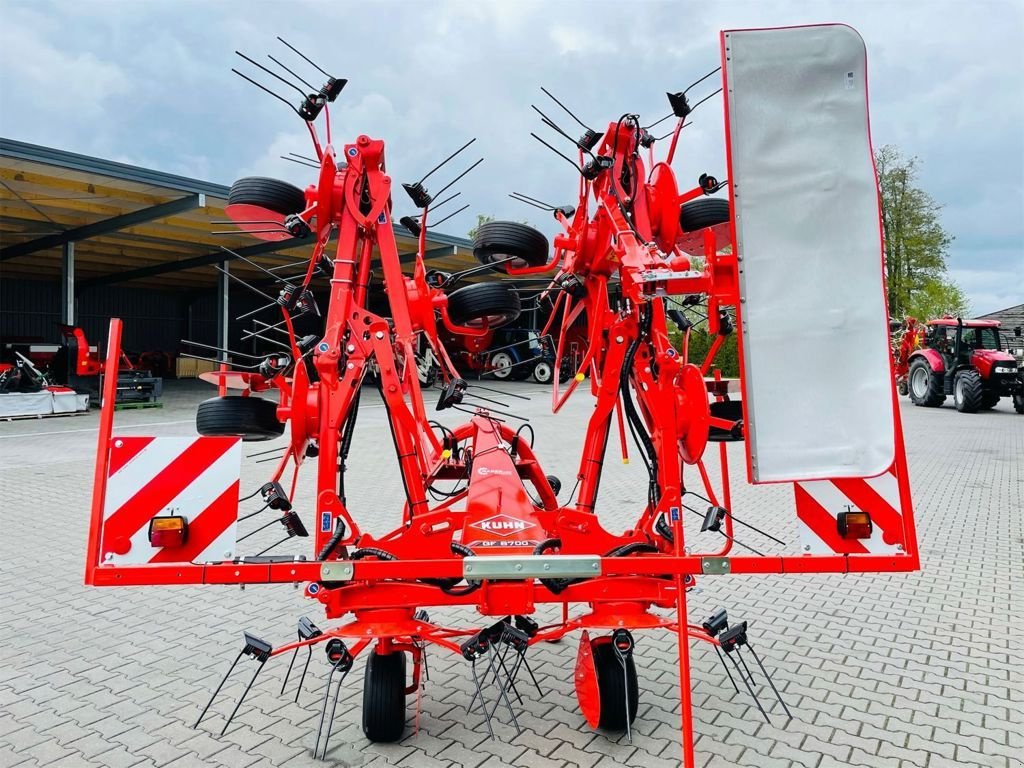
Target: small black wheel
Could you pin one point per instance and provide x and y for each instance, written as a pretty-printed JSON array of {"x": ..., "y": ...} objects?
[
  {"x": 501, "y": 365},
  {"x": 251, "y": 418},
  {"x": 543, "y": 372},
  {"x": 496, "y": 241},
  {"x": 731, "y": 410},
  {"x": 1018, "y": 403},
  {"x": 902, "y": 387},
  {"x": 273, "y": 195},
  {"x": 555, "y": 483},
  {"x": 703, "y": 212},
  {"x": 612, "y": 684},
  {"x": 967, "y": 391},
  {"x": 925, "y": 384},
  {"x": 384, "y": 696},
  {"x": 491, "y": 304},
  {"x": 989, "y": 400}
]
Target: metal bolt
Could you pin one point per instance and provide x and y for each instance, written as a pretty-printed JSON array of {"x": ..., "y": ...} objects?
[
  {"x": 547, "y": 567},
  {"x": 807, "y": 547},
  {"x": 619, "y": 339},
  {"x": 109, "y": 556},
  {"x": 469, "y": 569},
  {"x": 118, "y": 443},
  {"x": 379, "y": 334},
  {"x": 350, "y": 366},
  {"x": 594, "y": 566},
  {"x": 519, "y": 566},
  {"x": 350, "y": 348},
  {"x": 227, "y": 554}
]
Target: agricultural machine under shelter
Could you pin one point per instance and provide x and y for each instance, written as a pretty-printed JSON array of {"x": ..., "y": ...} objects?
[{"x": 483, "y": 525}]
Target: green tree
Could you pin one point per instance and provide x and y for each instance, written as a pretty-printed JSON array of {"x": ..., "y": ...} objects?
[
  {"x": 481, "y": 219},
  {"x": 916, "y": 245}
]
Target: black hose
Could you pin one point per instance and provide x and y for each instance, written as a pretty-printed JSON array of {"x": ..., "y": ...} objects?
[
  {"x": 339, "y": 533},
  {"x": 632, "y": 548}
]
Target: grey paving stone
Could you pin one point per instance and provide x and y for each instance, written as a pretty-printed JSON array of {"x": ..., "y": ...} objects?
[{"x": 879, "y": 669}]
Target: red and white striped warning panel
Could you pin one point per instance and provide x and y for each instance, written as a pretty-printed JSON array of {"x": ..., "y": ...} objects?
[
  {"x": 820, "y": 502},
  {"x": 193, "y": 477}
]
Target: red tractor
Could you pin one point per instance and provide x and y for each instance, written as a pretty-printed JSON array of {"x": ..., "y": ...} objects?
[{"x": 964, "y": 359}]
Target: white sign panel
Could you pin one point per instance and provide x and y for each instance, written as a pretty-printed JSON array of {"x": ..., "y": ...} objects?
[{"x": 819, "y": 398}]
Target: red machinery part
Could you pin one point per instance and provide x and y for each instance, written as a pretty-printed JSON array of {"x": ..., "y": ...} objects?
[{"x": 488, "y": 542}]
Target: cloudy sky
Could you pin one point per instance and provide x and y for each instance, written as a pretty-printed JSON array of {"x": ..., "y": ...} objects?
[{"x": 148, "y": 82}]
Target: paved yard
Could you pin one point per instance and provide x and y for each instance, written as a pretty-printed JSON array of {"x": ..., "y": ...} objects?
[{"x": 891, "y": 670}]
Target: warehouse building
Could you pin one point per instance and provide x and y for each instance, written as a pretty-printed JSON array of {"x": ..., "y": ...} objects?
[{"x": 84, "y": 239}]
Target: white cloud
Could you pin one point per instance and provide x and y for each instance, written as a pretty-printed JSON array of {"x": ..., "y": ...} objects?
[{"x": 150, "y": 83}]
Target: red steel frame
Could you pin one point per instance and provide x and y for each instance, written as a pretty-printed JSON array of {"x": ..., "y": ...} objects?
[{"x": 352, "y": 201}]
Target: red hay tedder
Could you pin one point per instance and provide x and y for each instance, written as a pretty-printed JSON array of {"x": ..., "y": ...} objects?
[{"x": 796, "y": 234}]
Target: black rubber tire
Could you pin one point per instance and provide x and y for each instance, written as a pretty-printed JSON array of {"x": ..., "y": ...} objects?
[
  {"x": 500, "y": 366},
  {"x": 384, "y": 697},
  {"x": 726, "y": 409},
  {"x": 967, "y": 391},
  {"x": 931, "y": 395},
  {"x": 989, "y": 400},
  {"x": 703, "y": 212},
  {"x": 251, "y": 418},
  {"x": 555, "y": 483},
  {"x": 543, "y": 371},
  {"x": 498, "y": 303},
  {"x": 496, "y": 241},
  {"x": 277, "y": 196},
  {"x": 1018, "y": 403},
  {"x": 903, "y": 388},
  {"x": 611, "y": 685}
]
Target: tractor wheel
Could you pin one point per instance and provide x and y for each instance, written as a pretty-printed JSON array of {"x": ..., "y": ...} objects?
[
  {"x": 501, "y": 366},
  {"x": 542, "y": 372},
  {"x": 493, "y": 304},
  {"x": 496, "y": 241},
  {"x": 251, "y": 418},
  {"x": 989, "y": 400},
  {"x": 1018, "y": 403},
  {"x": 967, "y": 391},
  {"x": 925, "y": 385},
  {"x": 703, "y": 212},
  {"x": 612, "y": 684},
  {"x": 384, "y": 696},
  {"x": 256, "y": 203}
]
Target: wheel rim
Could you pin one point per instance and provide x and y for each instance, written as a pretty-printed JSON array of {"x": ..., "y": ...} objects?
[
  {"x": 499, "y": 260},
  {"x": 501, "y": 365},
  {"x": 917, "y": 382},
  {"x": 491, "y": 321},
  {"x": 958, "y": 390},
  {"x": 542, "y": 373}
]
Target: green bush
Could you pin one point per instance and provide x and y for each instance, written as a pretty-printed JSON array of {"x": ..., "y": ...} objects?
[{"x": 727, "y": 358}]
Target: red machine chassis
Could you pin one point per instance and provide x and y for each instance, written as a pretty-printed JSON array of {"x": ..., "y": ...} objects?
[{"x": 626, "y": 226}]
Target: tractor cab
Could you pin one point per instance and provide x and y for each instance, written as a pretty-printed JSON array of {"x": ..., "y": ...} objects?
[{"x": 965, "y": 359}]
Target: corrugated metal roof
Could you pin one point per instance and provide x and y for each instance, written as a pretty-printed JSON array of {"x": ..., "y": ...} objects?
[{"x": 47, "y": 192}]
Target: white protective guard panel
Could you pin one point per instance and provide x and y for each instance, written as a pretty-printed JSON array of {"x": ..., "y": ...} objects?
[{"x": 818, "y": 383}]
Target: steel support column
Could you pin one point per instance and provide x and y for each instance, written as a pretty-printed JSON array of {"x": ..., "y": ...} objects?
[
  {"x": 223, "y": 308},
  {"x": 67, "y": 284}
]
